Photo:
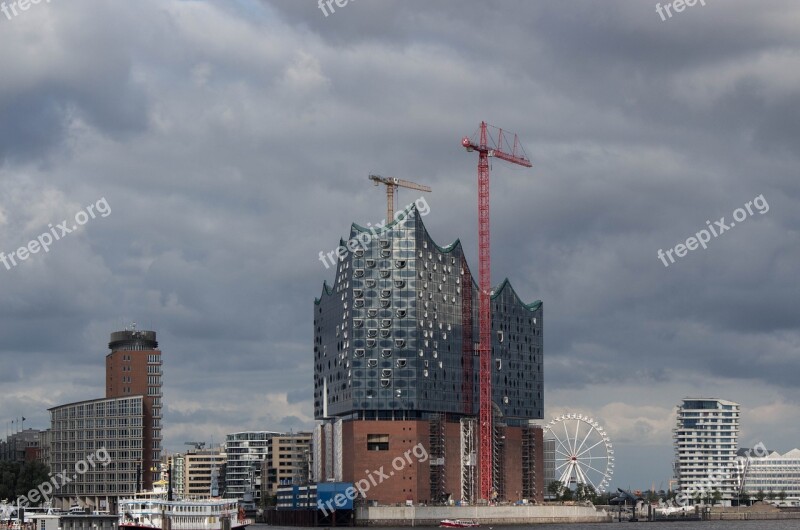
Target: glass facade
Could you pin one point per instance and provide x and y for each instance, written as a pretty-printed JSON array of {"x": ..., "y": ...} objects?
[
  {"x": 389, "y": 334},
  {"x": 111, "y": 428}
]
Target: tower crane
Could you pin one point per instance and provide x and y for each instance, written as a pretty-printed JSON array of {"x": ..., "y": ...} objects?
[
  {"x": 197, "y": 445},
  {"x": 488, "y": 145},
  {"x": 392, "y": 183}
]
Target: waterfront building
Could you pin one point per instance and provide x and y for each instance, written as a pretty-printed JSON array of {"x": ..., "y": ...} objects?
[
  {"x": 110, "y": 431},
  {"x": 134, "y": 368},
  {"x": 774, "y": 474},
  {"x": 246, "y": 451},
  {"x": 126, "y": 424},
  {"x": 176, "y": 462},
  {"x": 288, "y": 462},
  {"x": 396, "y": 368},
  {"x": 705, "y": 442},
  {"x": 201, "y": 472}
]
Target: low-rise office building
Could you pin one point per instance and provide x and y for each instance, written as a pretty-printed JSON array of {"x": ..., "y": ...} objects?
[{"x": 776, "y": 474}]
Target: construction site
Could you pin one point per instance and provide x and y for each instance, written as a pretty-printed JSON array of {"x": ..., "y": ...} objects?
[{"x": 409, "y": 351}]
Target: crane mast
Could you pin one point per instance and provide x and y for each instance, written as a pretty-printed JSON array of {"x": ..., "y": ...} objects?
[{"x": 516, "y": 155}]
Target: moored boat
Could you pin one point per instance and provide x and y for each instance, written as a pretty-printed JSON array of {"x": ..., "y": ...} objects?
[
  {"x": 208, "y": 514},
  {"x": 458, "y": 523}
]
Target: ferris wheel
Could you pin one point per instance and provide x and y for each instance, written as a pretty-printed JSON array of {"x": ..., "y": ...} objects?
[{"x": 583, "y": 451}]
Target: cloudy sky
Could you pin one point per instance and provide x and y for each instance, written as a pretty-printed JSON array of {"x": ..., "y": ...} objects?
[{"x": 232, "y": 141}]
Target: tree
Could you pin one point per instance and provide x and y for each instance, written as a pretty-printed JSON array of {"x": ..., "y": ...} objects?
[
  {"x": 603, "y": 498},
  {"x": 8, "y": 480},
  {"x": 578, "y": 491},
  {"x": 31, "y": 475},
  {"x": 566, "y": 495},
  {"x": 770, "y": 495},
  {"x": 707, "y": 496},
  {"x": 716, "y": 497},
  {"x": 554, "y": 489},
  {"x": 760, "y": 495},
  {"x": 589, "y": 493},
  {"x": 744, "y": 499},
  {"x": 18, "y": 479},
  {"x": 782, "y": 495}
]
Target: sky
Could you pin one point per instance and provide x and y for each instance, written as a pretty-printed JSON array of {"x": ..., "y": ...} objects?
[{"x": 223, "y": 144}]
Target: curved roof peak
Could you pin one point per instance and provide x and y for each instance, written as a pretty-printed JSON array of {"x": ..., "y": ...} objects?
[{"x": 533, "y": 306}]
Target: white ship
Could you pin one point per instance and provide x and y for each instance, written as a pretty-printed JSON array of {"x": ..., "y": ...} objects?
[
  {"x": 208, "y": 514},
  {"x": 8, "y": 516}
]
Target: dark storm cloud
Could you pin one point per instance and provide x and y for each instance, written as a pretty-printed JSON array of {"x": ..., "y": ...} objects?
[{"x": 233, "y": 142}]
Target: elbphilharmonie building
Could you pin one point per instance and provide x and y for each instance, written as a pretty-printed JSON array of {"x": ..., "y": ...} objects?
[{"x": 395, "y": 366}]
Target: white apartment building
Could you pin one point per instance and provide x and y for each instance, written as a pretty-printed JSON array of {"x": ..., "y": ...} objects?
[
  {"x": 774, "y": 473},
  {"x": 705, "y": 440},
  {"x": 246, "y": 451}
]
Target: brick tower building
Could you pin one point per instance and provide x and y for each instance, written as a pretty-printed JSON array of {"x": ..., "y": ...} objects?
[{"x": 133, "y": 368}]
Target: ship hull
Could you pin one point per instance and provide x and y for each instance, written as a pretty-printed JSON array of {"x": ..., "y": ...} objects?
[{"x": 235, "y": 525}]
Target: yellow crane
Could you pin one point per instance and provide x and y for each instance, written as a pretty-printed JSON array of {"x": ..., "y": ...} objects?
[{"x": 391, "y": 183}]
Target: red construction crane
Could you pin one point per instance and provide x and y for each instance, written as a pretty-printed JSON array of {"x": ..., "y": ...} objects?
[{"x": 515, "y": 154}]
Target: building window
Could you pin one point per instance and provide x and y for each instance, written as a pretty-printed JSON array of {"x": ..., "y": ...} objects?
[{"x": 377, "y": 442}]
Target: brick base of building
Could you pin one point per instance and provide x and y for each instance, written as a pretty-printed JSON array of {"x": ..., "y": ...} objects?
[{"x": 395, "y": 461}]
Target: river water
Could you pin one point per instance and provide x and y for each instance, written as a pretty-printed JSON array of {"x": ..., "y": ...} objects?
[{"x": 684, "y": 525}]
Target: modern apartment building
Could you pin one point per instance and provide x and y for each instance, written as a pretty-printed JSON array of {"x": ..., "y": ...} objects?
[
  {"x": 705, "y": 440},
  {"x": 177, "y": 464},
  {"x": 288, "y": 462},
  {"x": 201, "y": 472},
  {"x": 246, "y": 451},
  {"x": 110, "y": 433},
  {"x": 395, "y": 367},
  {"x": 774, "y": 474}
]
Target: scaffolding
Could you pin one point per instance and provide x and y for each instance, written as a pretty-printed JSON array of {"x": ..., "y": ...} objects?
[
  {"x": 529, "y": 462},
  {"x": 338, "y": 450},
  {"x": 437, "y": 453},
  {"x": 469, "y": 459},
  {"x": 498, "y": 459}
]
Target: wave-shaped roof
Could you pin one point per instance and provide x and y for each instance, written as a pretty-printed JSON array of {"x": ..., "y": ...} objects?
[{"x": 326, "y": 290}]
